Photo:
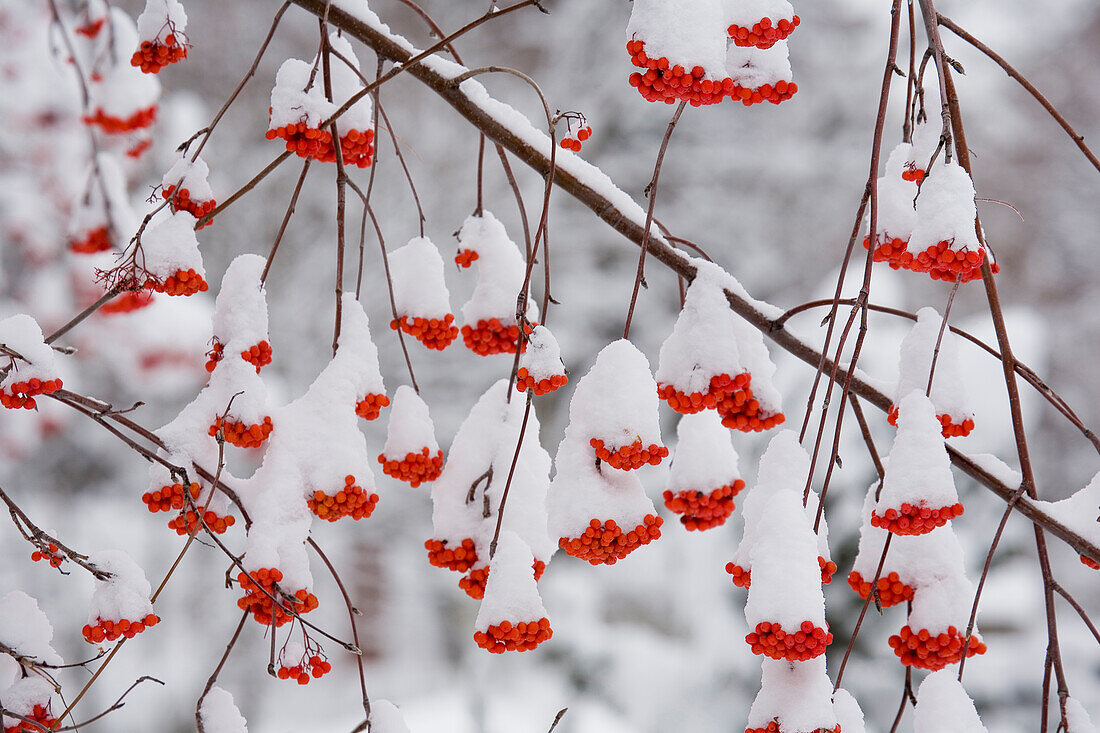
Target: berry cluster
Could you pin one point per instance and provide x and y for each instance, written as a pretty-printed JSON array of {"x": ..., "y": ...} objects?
[
  {"x": 215, "y": 355},
  {"x": 460, "y": 559},
  {"x": 127, "y": 302},
  {"x": 371, "y": 406},
  {"x": 772, "y": 641},
  {"x": 22, "y": 394},
  {"x": 183, "y": 282},
  {"x": 521, "y": 637},
  {"x": 891, "y": 591},
  {"x": 41, "y": 716},
  {"x": 153, "y": 55},
  {"x": 742, "y": 578},
  {"x": 104, "y": 630},
  {"x": 415, "y": 468},
  {"x": 912, "y": 173},
  {"x": 474, "y": 581},
  {"x": 722, "y": 386},
  {"x": 915, "y": 519},
  {"x": 493, "y": 337},
  {"x": 95, "y": 240},
  {"x": 356, "y": 146},
  {"x": 1089, "y": 562},
  {"x": 891, "y": 250},
  {"x": 605, "y": 543},
  {"x": 466, "y": 257},
  {"x": 350, "y": 501},
  {"x": 951, "y": 429},
  {"x": 169, "y": 498},
  {"x": 943, "y": 263},
  {"x": 703, "y": 511},
  {"x": 258, "y": 355},
  {"x": 182, "y": 201},
  {"x": 741, "y": 411},
  {"x": 667, "y": 82},
  {"x": 256, "y": 602},
  {"x": 629, "y": 457},
  {"x": 763, "y": 34},
  {"x": 925, "y": 650},
  {"x": 524, "y": 382},
  {"x": 574, "y": 143},
  {"x": 435, "y": 333},
  {"x": 51, "y": 553},
  {"x": 773, "y": 727},
  {"x": 314, "y": 666},
  {"x": 119, "y": 125},
  {"x": 828, "y": 568},
  {"x": 188, "y": 521},
  {"x": 241, "y": 435}
]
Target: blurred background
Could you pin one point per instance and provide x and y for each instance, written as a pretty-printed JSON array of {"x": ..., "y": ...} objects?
[{"x": 654, "y": 643}]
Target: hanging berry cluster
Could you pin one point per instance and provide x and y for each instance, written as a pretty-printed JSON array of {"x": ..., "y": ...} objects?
[
  {"x": 34, "y": 371},
  {"x": 161, "y": 32}
]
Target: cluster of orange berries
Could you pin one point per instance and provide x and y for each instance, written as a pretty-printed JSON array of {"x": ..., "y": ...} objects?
[
  {"x": 96, "y": 240},
  {"x": 104, "y": 630},
  {"x": 574, "y": 143},
  {"x": 256, "y": 602},
  {"x": 828, "y": 568},
  {"x": 629, "y": 457},
  {"x": 773, "y": 727},
  {"x": 722, "y": 386},
  {"x": 763, "y": 34},
  {"x": 415, "y": 468},
  {"x": 474, "y": 581},
  {"x": 892, "y": 250},
  {"x": 912, "y": 173},
  {"x": 951, "y": 429},
  {"x": 371, "y": 406},
  {"x": 605, "y": 543},
  {"x": 241, "y": 435},
  {"x": 22, "y": 394},
  {"x": 927, "y": 651},
  {"x": 915, "y": 519},
  {"x": 741, "y": 411},
  {"x": 703, "y": 511},
  {"x": 153, "y": 56},
  {"x": 118, "y": 125},
  {"x": 466, "y": 257},
  {"x": 258, "y": 355},
  {"x": 521, "y": 637},
  {"x": 942, "y": 263},
  {"x": 524, "y": 382},
  {"x": 770, "y": 640},
  {"x": 183, "y": 282},
  {"x": 215, "y": 355},
  {"x": 459, "y": 559},
  {"x": 891, "y": 591},
  {"x": 52, "y": 553},
  {"x": 40, "y": 715},
  {"x": 183, "y": 202},
  {"x": 493, "y": 337},
  {"x": 127, "y": 302},
  {"x": 350, "y": 501},
  {"x": 1089, "y": 562},
  {"x": 435, "y": 333},
  {"x": 314, "y": 667},
  {"x": 742, "y": 578},
  {"x": 188, "y": 521},
  {"x": 356, "y": 146},
  {"x": 169, "y": 498}
]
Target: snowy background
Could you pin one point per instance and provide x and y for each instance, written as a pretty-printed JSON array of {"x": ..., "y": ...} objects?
[{"x": 656, "y": 642}]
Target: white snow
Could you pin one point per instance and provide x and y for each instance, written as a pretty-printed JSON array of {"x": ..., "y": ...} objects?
[
  {"x": 542, "y": 358},
  {"x": 91, "y": 214},
  {"x": 747, "y": 13},
  {"x": 926, "y": 138},
  {"x": 170, "y": 245},
  {"x": 752, "y": 67},
  {"x": 500, "y": 272},
  {"x": 688, "y": 34},
  {"x": 896, "y": 214},
  {"x": 220, "y": 714},
  {"x": 123, "y": 89},
  {"x": 705, "y": 458},
  {"x": 384, "y": 715},
  {"x": 1080, "y": 512},
  {"x": 997, "y": 468},
  {"x": 949, "y": 395},
  {"x": 345, "y": 83},
  {"x": 21, "y": 334},
  {"x": 848, "y": 713},
  {"x": 125, "y": 595},
  {"x": 797, "y": 694},
  {"x": 357, "y": 351},
  {"x": 510, "y": 591},
  {"x": 410, "y": 428},
  {"x": 160, "y": 18},
  {"x": 945, "y": 211},
  {"x": 1077, "y": 717},
  {"x": 944, "y": 707},
  {"x": 919, "y": 469},
  {"x": 419, "y": 288},
  {"x": 25, "y": 629},
  {"x": 292, "y": 103},
  {"x": 189, "y": 175},
  {"x": 21, "y": 698},
  {"x": 240, "y": 311},
  {"x": 756, "y": 360}
]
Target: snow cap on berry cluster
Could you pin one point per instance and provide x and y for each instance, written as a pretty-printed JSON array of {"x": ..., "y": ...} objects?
[
  {"x": 292, "y": 103},
  {"x": 542, "y": 358},
  {"x": 169, "y": 246},
  {"x": 22, "y": 334},
  {"x": 419, "y": 288},
  {"x": 357, "y": 354},
  {"x": 786, "y": 577},
  {"x": 756, "y": 360},
  {"x": 688, "y": 34},
  {"x": 752, "y": 67},
  {"x": 701, "y": 345},
  {"x": 849, "y": 716},
  {"x": 21, "y": 698},
  {"x": 500, "y": 271},
  {"x": 944, "y": 707},
  {"x": 797, "y": 695},
  {"x": 915, "y": 364},
  {"x": 386, "y": 718},
  {"x": 124, "y": 595},
  {"x": 919, "y": 469},
  {"x": 92, "y": 207},
  {"x": 220, "y": 714},
  {"x": 410, "y": 428},
  {"x": 812, "y": 503},
  {"x": 747, "y": 13},
  {"x": 160, "y": 18},
  {"x": 25, "y": 630},
  {"x": 236, "y": 385},
  {"x": 926, "y": 138},
  {"x": 616, "y": 402},
  {"x": 510, "y": 591},
  {"x": 896, "y": 216},
  {"x": 122, "y": 90},
  {"x": 946, "y": 211},
  {"x": 189, "y": 175},
  {"x": 280, "y": 517},
  {"x": 345, "y": 83},
  {"x": 943, "y": 592},
  {"x": 705, "y": 457},
  {"x": 240, "y": 311}
]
